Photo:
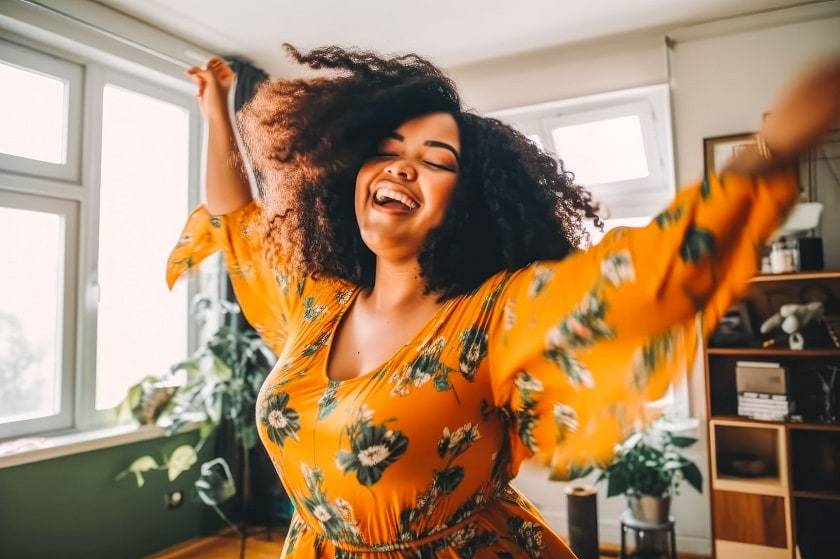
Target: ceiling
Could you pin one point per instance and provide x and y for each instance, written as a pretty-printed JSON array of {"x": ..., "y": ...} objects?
[{"x": 449, "y": 32}]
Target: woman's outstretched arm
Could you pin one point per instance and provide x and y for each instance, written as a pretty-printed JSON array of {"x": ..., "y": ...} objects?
[{"x": 578, "y": 346}]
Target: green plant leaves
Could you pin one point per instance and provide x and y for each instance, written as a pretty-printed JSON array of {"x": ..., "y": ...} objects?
[
  {"x": 142, "y": 464},
  {"x": 650, "y": 463},
  {"x": 181, "y": 460},
  {"x": 692, "y": 475},
  {"x": 682, "y": 442}
]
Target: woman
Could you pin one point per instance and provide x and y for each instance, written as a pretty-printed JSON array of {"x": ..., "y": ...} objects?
[{"x": 414, "y": 267}]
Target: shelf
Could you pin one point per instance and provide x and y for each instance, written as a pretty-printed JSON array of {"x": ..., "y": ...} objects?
[
  {"x": 773, "y": 352},
  {"x": 828, "y": 495},
  {"x": 797, "y": 276},
  {"x": 747, "y": 422},
  {"x": 767, "y": 485}
]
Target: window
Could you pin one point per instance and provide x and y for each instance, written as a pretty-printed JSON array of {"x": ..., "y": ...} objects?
[
  {"x": 617, "y": 144},
  {"x": 89, "y": 209},
  {"x": 40, "y": 108}
]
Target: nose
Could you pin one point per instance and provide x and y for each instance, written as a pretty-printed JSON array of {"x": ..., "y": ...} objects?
[{"x": 401, "y": 169}]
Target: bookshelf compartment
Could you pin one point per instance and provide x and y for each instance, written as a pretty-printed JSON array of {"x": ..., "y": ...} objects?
[
  {"x": 817, "y": 521},
  {"x": 746, "y": 518},
  {"x": 816, "y": 462},
  {"x": 748, "y": 457}
]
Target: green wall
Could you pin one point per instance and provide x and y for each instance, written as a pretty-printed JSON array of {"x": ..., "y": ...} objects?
[{"x": 71, "y": 506}]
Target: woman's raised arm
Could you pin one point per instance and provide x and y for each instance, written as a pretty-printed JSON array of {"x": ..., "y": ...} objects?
[{"x": 227, "y": 186}]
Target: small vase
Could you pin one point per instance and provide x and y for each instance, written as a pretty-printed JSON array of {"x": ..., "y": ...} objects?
[{"x": 647, "y": 508}]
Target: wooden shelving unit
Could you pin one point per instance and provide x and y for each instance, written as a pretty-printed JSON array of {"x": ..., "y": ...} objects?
[{"x": 789, "y": 505}]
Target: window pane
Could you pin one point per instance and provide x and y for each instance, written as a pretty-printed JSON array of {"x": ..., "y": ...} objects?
[
  {"x": 603, "y": 151},
  {"x": 33, "y": 113},
  {"x": 142, "y": 327},
  {"x": 30, "y": 299}
]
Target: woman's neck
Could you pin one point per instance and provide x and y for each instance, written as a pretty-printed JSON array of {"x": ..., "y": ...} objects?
[{"x": 398, "y": 286}]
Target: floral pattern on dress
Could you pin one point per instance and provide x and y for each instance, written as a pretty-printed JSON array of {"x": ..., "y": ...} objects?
[
  {"x": 473, "y": 350},
  {"x": 280, "y": 421},
  {"x": 529, "y": 389},
  {"x": 372, "y": 448},
  {"x": 336, "y": 517},
  {"x": 426, "y": 366}
]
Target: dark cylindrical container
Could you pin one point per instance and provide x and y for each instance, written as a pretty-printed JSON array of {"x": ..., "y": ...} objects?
[{"x": 582, "y": 515}]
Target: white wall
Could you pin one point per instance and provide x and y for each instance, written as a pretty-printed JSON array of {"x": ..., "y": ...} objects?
[
  {"x": 723, "y": 76},
  {"x": 617, "y": 62}
]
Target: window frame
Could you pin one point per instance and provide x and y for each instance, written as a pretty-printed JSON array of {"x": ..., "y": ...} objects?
[
  {"x": 38, "y": 61},
  {"x": 68, "y": 210},
  {"x": 652, "y": 104},
  {"x": 80, "y": 187}
]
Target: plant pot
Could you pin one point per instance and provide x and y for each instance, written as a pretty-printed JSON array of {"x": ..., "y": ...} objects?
[{"x": 647, "y": 508}]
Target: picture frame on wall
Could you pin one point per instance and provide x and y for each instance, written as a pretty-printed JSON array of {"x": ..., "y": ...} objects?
[{"x": 718, "y": 150}]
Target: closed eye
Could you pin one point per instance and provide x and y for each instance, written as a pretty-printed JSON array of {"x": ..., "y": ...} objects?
[{"x": 429, "y": 163}]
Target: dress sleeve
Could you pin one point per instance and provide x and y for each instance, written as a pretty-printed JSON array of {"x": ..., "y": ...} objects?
[
  {"x": 576, "y": 347},
  {"x": 263, "y": 291}
]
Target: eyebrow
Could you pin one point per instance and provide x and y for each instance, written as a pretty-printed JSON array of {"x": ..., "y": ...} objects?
[{"x": 430, "y": 143}]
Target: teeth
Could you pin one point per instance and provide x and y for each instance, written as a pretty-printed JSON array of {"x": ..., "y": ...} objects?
[{"x": 386, "y": 192}]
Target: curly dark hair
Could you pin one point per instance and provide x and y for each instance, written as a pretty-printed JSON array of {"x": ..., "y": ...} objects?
[{"x": 513, "y": 204}]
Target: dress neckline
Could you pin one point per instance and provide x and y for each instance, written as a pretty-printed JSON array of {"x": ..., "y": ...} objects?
[{"x": 323, "y": 367}]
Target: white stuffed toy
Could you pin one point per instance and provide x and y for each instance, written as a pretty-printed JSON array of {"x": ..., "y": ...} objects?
[{"x": 792, "y": 318}]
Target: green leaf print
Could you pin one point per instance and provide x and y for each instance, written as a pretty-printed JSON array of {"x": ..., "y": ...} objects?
[
  {"x": 315, "y": 346},
  {"x": 705, "y": 188},
  {"x": 697, "y": 244},
  {"x": 311, "y": 311},
  {"x": 669, "y": 216},
  {"x": 327, "y": 402},
  {"x": 651, "y": 356},
  {"x": 445, "y": 481}
]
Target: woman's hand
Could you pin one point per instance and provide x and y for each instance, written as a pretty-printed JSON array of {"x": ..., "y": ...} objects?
[
  {"x": 807, "y": 108},
  {"x": 214, "y": 81}
]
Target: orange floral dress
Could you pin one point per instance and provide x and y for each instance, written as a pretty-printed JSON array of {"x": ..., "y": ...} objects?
[{"x": 553, "y": 361}]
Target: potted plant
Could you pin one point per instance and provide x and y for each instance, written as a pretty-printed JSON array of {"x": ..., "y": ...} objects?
[
  {"x": 648, "y": 469},
  {"x": 218, "y": 386}
]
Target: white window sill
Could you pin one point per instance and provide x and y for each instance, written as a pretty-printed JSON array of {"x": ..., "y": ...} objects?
[{"x": 25, "y": 450}]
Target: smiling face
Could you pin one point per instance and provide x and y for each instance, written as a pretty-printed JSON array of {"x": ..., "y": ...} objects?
[{"x": 403, "y": 191}]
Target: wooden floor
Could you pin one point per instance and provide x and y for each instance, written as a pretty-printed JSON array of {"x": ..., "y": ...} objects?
[
  {"x": 226, "y": 546},
  {"x": 258, "y": 546}
]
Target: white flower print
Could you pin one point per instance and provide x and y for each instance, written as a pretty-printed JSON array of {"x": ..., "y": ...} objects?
[
  {"x": 617, "y": 267},
  {"x": 373, "y": 455},
  {"x": 321, "y": 513}
]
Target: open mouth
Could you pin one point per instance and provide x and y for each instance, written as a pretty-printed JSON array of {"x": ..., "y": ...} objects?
[{"x": 392, "y": 199}]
